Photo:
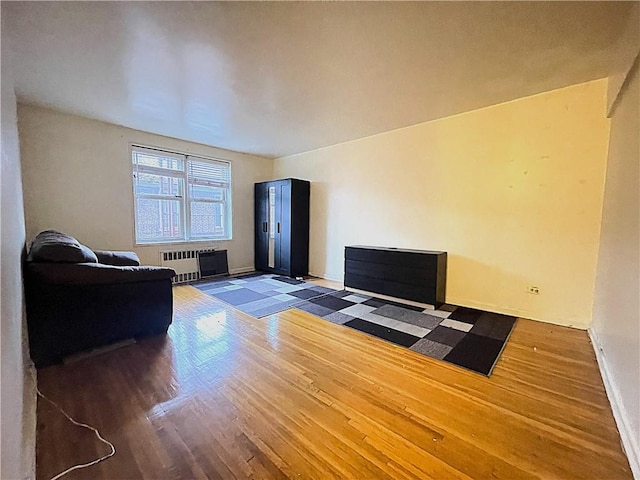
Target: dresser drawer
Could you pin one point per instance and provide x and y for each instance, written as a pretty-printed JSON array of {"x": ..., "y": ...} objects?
[{"x": 417, "y": 275}]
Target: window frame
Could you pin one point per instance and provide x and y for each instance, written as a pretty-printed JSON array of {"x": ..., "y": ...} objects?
[{"x": 185, "y": 200}]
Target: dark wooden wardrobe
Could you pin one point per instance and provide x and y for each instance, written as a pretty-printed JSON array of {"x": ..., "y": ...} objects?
[{"x": 282, "y": 227}]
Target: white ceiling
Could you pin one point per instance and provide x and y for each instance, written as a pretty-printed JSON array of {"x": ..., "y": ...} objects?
[{"x": 280, "y": 78}]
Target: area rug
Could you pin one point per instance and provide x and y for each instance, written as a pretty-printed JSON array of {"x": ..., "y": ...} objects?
[
  {"x": 466, "y": 337},
  {"x": 261, "y": 294},
  {"x": 469, "y": 338}
]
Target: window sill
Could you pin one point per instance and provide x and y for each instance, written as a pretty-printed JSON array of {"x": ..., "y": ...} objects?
[{"x": 181, "y": 242}]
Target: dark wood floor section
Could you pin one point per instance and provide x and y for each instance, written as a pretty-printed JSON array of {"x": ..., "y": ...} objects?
[{"x": 293, "y": 396}]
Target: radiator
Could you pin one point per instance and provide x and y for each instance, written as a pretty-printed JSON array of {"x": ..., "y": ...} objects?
[{"x": 184, "y": 262}]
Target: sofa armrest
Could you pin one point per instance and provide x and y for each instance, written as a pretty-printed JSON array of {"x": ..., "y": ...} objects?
[
  {"x": 95, "y": 273},
  {"x": 119, "y": 259}
]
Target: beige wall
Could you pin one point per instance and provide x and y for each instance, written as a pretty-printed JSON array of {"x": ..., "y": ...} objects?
[
  {"x": 77, "y": 179},
  {"x": 616, "y": 312},
  {"x": 18, "y": 397},
  {"x": 513, "y": 192}
]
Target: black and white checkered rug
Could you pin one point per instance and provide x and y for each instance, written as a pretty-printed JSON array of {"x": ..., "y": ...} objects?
[
  {"x": 466, "y": 337},
  {"x": 261, "y": 294}
]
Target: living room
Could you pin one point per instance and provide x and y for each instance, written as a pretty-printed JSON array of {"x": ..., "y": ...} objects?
[{"x": 537, "y": 190}]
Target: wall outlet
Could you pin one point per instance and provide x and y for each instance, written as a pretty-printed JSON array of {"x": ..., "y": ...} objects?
[{"x": 533, "y": 290}]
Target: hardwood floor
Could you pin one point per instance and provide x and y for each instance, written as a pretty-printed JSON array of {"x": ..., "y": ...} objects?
[{"x": 225, "y": 395}]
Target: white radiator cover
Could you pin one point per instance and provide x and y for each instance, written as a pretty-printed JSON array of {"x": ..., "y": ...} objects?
[{"x": 184, "y": 262}]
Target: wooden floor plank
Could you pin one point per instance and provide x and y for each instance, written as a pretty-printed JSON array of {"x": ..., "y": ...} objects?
[{"x": 226, "y": 395}]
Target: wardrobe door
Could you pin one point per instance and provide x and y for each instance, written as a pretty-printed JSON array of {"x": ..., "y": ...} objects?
[
  {"x": 283, "y": 227},
  {"x": 261, "y": 195},
  {"x": 300, "y": 190}
]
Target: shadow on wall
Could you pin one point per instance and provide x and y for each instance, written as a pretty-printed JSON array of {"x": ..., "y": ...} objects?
[{"x": 318, "y": 229}]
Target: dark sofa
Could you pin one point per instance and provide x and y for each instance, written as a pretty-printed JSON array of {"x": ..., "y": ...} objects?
[{"x": 78, "y": 299}]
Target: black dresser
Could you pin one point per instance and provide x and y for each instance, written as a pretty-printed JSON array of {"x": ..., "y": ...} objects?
[{"x": 418, "y": 275}]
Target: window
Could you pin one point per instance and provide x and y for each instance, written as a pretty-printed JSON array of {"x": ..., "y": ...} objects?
[{"x": 180, "y": 198}]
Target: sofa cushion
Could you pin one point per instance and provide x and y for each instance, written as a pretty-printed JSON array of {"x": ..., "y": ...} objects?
[
  {"x": 95, "y": 274},
  {"x": 56, "y": 247},
  {"x": 88, "y": 254},
  {"x": 120, "y": 259}
]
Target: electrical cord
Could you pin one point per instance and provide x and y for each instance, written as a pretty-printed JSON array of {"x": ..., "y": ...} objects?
[{"x": 84, "y": 425}]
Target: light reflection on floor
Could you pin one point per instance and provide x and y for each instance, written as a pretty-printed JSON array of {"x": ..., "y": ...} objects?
[
  {"x": 272, "y": 331},
  {"x": 192, "y": 367},
  {"x": 205, "y": 353},
  {"x": 212, "y": 326}
]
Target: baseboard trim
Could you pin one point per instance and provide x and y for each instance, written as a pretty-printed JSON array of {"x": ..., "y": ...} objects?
[
  {"x": 334, "y": 278},
  {"x": 629, "y": 441},
  {"x": 510, "y": 311},
  {"x": 236, "y": 271}
]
